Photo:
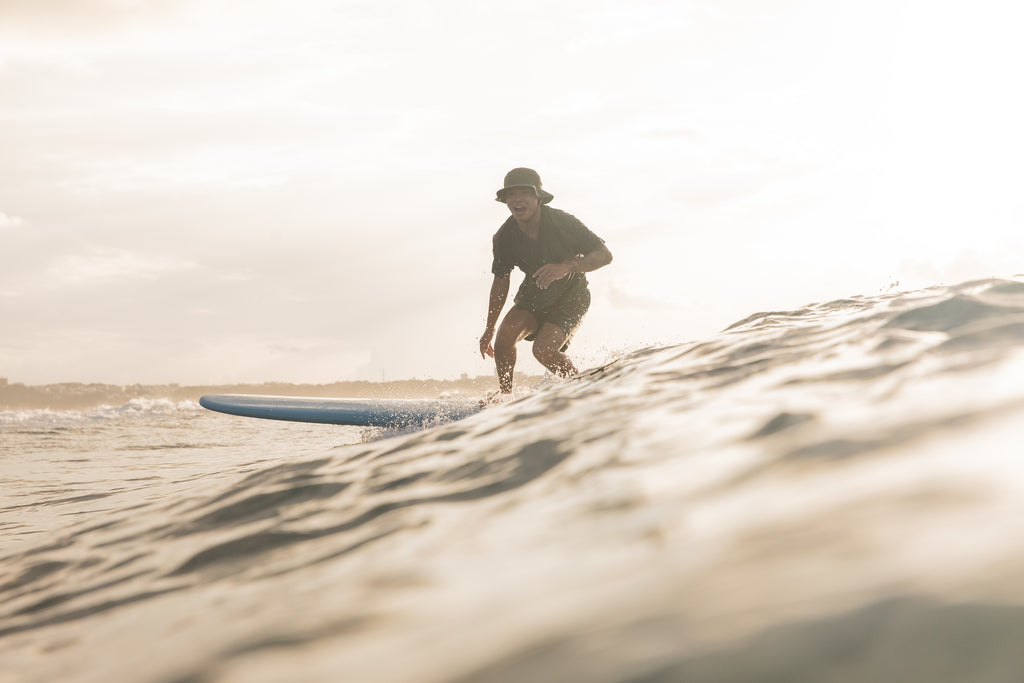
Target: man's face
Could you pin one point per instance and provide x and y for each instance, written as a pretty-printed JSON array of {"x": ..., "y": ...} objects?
[{"x": 522, "y": 202}]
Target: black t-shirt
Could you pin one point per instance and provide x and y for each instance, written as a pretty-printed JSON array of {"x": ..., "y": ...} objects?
[{"x": 560, "y": 237}]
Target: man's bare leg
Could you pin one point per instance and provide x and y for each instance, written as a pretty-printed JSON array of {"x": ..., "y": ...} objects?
[
  {"x": 517, "y": 325},
  {"x": 547, "y": 349}
]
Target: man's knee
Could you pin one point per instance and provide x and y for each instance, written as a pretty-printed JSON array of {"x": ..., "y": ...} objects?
[
  {"x": 505, "y": 344},
  {"x": 545, "y": 353},
  {"x": 517, "y": 325}
]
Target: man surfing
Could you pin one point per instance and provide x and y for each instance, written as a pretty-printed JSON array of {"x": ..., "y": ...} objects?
[{"x": 554, "y": 249}]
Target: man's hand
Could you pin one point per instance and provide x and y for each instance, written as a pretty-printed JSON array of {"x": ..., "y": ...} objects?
[
  {"x": 486, "y": 349},
  {"x": 550, "y": 272}
]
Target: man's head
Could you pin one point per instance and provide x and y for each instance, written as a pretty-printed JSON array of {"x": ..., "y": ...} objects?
[{"x": 523, "y": 178}]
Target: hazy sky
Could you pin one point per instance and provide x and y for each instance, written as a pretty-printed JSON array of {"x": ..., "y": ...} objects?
[{"x": 258, "y": 190}]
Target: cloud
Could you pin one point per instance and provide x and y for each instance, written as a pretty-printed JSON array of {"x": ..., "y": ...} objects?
[
  {"x": 104, "y": 265},
  {"x": 623, "y": 298},
  {"x": 76, "y": 16},
  {"x": 7, "y": 221}
]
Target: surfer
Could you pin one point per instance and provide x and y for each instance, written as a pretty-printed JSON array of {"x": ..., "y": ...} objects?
[{"x": 554, "y": 249}]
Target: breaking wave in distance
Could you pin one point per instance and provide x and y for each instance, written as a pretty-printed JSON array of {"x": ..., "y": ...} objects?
[{"x": 137, "y": 408}]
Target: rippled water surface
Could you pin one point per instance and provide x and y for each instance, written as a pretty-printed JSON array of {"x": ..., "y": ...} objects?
[{"x": 831, "y": 493}]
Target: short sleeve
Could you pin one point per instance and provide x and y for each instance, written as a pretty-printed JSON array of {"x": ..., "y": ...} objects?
[
  {"x": 580, "y": 237},
  {"x": 502, "y": 264}
]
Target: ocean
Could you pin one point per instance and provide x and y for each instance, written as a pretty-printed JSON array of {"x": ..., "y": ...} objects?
[{"x": 833, "y": 493}]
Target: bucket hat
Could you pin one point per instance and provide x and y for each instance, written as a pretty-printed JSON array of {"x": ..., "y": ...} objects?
[{"x": 524, "y": 177}]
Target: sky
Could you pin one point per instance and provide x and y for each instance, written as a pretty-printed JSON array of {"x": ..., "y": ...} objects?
[{"x": 221, "y": 191}]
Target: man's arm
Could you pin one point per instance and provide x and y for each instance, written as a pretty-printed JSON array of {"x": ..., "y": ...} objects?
[
  {"x": 548, "y": 273},
  {"x": 496, "y": 302}
]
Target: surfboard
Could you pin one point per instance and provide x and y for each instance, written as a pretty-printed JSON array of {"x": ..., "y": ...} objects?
[{"x": 357, "y": 412}]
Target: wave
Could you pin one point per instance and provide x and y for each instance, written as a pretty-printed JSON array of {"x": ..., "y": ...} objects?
[
  {"x": 134, "y": 409},
  {"x": 804, "y": 480}
]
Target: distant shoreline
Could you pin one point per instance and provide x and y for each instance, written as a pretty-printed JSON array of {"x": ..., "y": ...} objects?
[{"x": 76, "y": 396}]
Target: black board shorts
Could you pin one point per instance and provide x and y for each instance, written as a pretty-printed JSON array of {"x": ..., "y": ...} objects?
[{"x": 565, "y": 315}]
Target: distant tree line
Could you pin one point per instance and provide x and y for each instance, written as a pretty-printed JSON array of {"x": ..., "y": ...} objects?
[{"x": 76, "y": 396}]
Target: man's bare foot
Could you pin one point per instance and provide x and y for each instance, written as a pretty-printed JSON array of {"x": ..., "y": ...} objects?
[{"x": 495, "y": 398}]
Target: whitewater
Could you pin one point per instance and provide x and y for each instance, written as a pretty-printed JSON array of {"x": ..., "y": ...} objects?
[{"x": 834, "y": 493}]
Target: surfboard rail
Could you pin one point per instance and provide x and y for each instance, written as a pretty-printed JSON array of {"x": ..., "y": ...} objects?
[{"x": 355, "y": 412}]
